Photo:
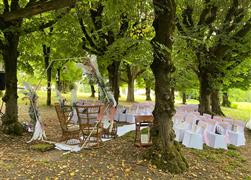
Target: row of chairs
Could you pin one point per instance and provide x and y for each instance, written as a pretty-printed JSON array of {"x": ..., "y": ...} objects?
[{"x": 194, "y": 130}]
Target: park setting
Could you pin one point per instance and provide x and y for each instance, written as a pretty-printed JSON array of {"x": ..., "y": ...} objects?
[{"x": 132, "y": 89}]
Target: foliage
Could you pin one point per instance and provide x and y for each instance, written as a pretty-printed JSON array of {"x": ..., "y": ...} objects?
[
  {"x": 184, "y": 61},
  {"x": 239, "y": 95},
  {"x": 218, "y": 33}
]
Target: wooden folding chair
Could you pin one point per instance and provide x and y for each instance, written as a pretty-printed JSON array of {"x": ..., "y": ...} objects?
[
  {"x": 69, "y": 130},
  {"x": 89, "y": 123}
]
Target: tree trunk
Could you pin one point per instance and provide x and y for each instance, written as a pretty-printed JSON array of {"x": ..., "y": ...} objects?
[
  {"x": 58, "y": 80},
  {"x": 184, "y": 97},
  {"x": 148, "y": 93},
  {"x": 113, "y": 73},
  {"x": 204, "y": 106},
  {"x": 92, "y": 90},
  {"x": 215, "y": 103},
  {"x": 225, "y": 100},
  {"x": 130, "y": 87},
  {"x": 10, "y": 54},
  {"x": 130, "y": 90},
  {"x": 165, "y": 152},
  {"x": 46, "y": 51}
]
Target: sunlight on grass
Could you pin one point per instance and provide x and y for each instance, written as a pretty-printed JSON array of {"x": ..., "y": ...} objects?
[{"x": 242, "y": 110}]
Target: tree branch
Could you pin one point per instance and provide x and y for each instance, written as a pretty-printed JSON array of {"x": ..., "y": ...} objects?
[
  {"x": 213, "y": 10},
  {"x": 237, "y": 19},
  {"x": 187, "y": 16},
  {"x": 124, "y": 80},
  {"x": 139, "y": 72},
  {"x": 124, "y": 25},
  {"x": 231, "y": 11},
  {"x": 6, "y": 6},
  {"x": 180, "y": 28},
  {"x": 87, "y": 36},
  {"x": 89, "y": 49},
  {"x": 243, "y": 31},
  {"x": 96, "y": 16},
  {"x": 45, "y": 25},
  {"x": 204, "y": 13},
  {"x": 36, "y": 8}
]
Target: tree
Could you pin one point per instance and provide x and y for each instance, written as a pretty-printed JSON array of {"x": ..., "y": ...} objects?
[
  {"x": 164, "y": 153},
  {"x": 185, "y": 77},
  {"x": 146, "y": 80},
  {"x": 41, "y": 48},
  {"x": 48, "y": 68},
  {"x": 109, "y": 21},
  {"x": 11, "y": 22},
  {"x": 216, "y": 34},
  {"x": 240, "y": 77},
  {"x": 135, "y": 60}
]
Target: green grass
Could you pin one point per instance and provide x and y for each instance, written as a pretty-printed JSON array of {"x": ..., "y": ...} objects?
[{"x": 241, "y": 112}]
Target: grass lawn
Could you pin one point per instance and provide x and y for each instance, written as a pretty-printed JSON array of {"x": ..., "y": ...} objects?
[{"x": 241, "y": 110}]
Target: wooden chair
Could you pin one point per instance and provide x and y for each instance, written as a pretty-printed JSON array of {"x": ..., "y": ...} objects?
[
  {"x": 91, "y": 128},
  {"x": 143, "y": 121},
  {"x": 69, "y": 130}
]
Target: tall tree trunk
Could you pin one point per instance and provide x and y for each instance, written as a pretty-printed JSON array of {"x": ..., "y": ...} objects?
[
  {"x": 113, "y": 73},
  {"x": 46, "y": 51},
  {"x": 58, "y": 80},
  {"x": 215, "y": 103},
  {"x": 165, "y": 152},
  {"x": 130, "y": 87},
  {"x": 10, "y": 54},
  {"x": 92, "y": 91},
  {"x": 130, "y": 90},
  {"x": 225, "y": 100},
  {"x": 184, "y": 97},
  {"x": 204, "y": 106},
  {"x": 148, "y": 93}
]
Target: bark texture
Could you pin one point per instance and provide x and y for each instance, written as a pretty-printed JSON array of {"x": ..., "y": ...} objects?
[
  {"x": 204, "y": 106},
  {"x": 113, "y": 72},
  {"x": 148, "y": 94},
  {"x": 46, "y": 51},
  {"x": 215, "y": 103},
  {"x": 225, "y": 100},
  {"x": 36, "y": 8},
  {"x": 164, "y": 153},
  {"x": 130, "y": 87},
  {"x": 184, "y": 97},
  {"x": 92, "y": 91},
  {"x": 10, "y": 54}
]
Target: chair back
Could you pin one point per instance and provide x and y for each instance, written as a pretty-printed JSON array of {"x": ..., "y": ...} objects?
[
  {"x": 144, "y": 118},
  {"x": 64, "y": 115},
  {"x": 88, "y": 115}
]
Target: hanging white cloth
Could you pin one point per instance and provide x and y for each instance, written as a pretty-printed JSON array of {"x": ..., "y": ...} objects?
[{"x": 39, "y": 133}]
